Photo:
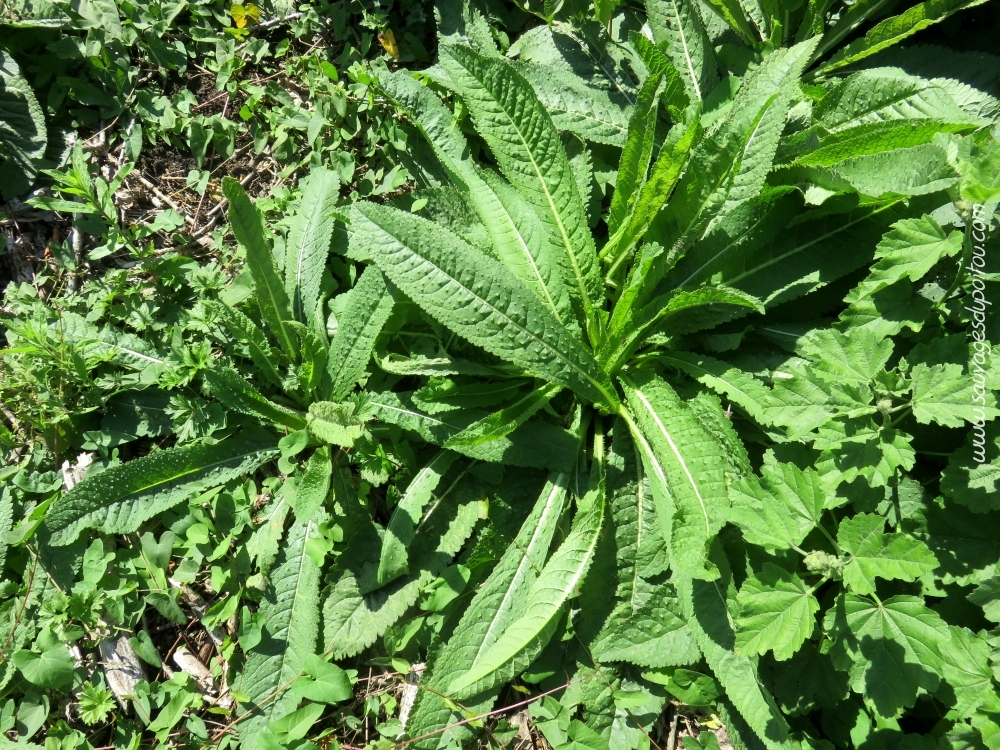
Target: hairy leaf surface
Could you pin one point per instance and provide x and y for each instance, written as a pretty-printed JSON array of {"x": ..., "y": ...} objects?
[
  {"x": 524, "y": 638},
  {"x": 477, "y": 298},
  {"x": 692, "y": 466},
  {"x": 368, "y": 308},
  {"x": 500, "y": 601},
  {"x": 248, "y": 226},
  {"x": 518, "y": 238},
  {"x": 309, "y": 242},
  {"x": 522, "y": 137},
  {"x": 290, "y": 612},
  {"x": 875, "y": 554},
  {"x": 121, "y": 498}
]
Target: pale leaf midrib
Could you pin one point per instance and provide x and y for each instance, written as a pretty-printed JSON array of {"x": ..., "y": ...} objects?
[
  {"x": 525, "y": 250},
  {"x": 536, "y": 623},
  {"x": 172, "y": 479},
  {"x": 470, "y": 177},
  {"x": 559, "y": 356},
  {"x": 805, "y": 246},
  {"x": 522, "y": 566},
  {"x": 677, "y": 454},
  {"x": 131, "y": 352},
  {"x": 672, "y": 4},
  {"x": 284, "y": 634},
  {"x": 567, "y": 243},
  {"x": 268, "y": 278},
  {"x": 640, "y": 517}
]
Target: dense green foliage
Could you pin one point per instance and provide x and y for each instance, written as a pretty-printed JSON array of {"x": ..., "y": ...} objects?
[{"x": 661, "y": 397}]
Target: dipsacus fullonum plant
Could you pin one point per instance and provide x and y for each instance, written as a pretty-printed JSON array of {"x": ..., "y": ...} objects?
[{"x": 628, "y": 398}]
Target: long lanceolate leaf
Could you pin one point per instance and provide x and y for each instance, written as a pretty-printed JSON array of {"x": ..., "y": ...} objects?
[
  {"x": 591, "y": 113},
  {"x": 645, "y": 627},
  {"x": 355, "y": 612},
  {"x": 741, "y": 387},
  {"x": 731, "y": 11},
  {"x": 498, "y": 602},
  {"x": 809, "y": 255},
  {"x": 22, "y": 128},
  {"x": 848, "y": 22},
  {"x": 476, "y": 297},
  {"x": 518, "y": 239},
  {"x": 889, "y": 95},
  {"x": 238, "y": 394},
  {"x": 653, "y": 195},
  {"x": 119, "y": 499},
  {"x": 684, "y": 312},
  {"x": 760, "y": 112},
  {"x": 245, "y": 331},
  {"x": 506, "y": 420},
  {"x": 637, "y": 152},
  {"x": 406, "y": 517},
  {"x": 527, "y": 145},
  {"x": 536, "y": 444},
  {"x": 524, "y": 638},
  {"x": 678, "y": 23},
  {"x": 691, "y": 465},
  {"x": 367, "y": 310},
  {"x": 894, "y": 30},
  {"x": 730, "y": 164},
  {"x": 248, "y": 226},
  {"x": 290, "y": 613},
  {"x": 533, "y": 259},
  {"x": 314, "y": 484},
  {"x": 309, "y": 242},
  {"x": 704, "y": 606},
  {"x": 675, "y": 98}
]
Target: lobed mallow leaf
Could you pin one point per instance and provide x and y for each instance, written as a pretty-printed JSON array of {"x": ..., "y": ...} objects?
[
  {"x": 777, "y": 613},
  {"x": 891, "y": 648},
  {"x": 910, "y": 250},
  {"x": 875, "y": 554},
  {"x": 779, "y": 510}
]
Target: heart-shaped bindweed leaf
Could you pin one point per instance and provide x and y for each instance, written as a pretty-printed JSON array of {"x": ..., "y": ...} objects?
[
  {"x": 296, "y": 724},
  {"x": 48, "y": 665},
  {"x": 324, "y": 682}
]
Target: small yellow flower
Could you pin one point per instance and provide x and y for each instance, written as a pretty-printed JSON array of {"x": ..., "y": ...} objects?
[
  {"x": 243, "y": 14},
  {"x": 388, "y": 41}
]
